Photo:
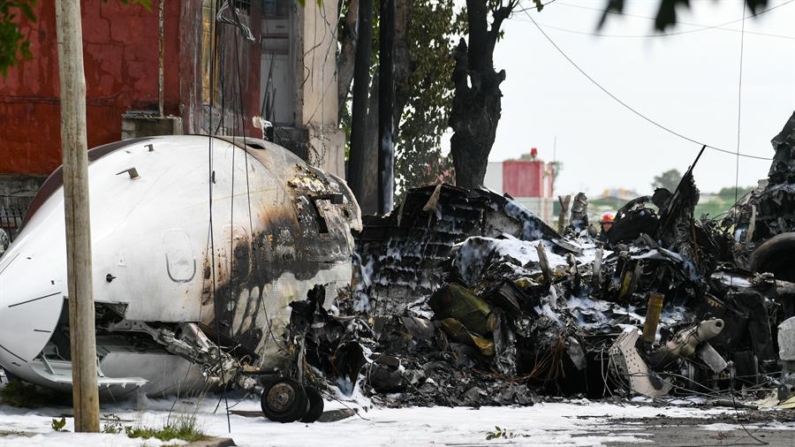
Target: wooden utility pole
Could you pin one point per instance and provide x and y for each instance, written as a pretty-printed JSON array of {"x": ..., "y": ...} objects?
[
  {"x": 386, "y": 109},
  {"x": 361, "y": 84},
  {"x": 85, "y": 394}
]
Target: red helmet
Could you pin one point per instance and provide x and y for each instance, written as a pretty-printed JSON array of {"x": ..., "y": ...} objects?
[{"x": 607, "y": 218}]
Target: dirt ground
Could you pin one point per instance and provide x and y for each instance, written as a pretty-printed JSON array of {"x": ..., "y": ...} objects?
[{"x": 742, "y": 428}]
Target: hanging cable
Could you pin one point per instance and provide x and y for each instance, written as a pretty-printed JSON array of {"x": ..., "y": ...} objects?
[
  {"x": 537, "y": 8},
  {"x": 739, "y": 110},
  {"x": 211, "y": 182},
  {"x": 235, "y": 20},
  {"x": 256, "y": 265},
  {"x": 633, "y": 110},
  {"x": 736, "y": 188},
  {"x": 651, "y": 36}
]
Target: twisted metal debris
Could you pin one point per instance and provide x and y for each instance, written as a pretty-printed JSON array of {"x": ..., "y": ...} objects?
[{"x": 465, "y": 298}]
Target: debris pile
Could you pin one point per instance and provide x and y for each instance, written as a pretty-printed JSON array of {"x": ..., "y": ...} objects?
[{"x": 465, "y": 298}]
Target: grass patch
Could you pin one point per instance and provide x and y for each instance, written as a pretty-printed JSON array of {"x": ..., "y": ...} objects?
[
  {"x": 15, "y": 433},
  {"x": 25, "y": 395},
  {"x": 184, "y": 428}
]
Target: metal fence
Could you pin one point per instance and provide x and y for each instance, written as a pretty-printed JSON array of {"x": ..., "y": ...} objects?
[{"x": 12, "y": 213}]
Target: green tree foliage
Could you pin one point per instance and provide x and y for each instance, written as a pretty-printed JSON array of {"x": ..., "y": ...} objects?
[
  {"x": 729, "y": 192},
  {"x": 669, "y": 180},
  {"x": 719, "y": 204},
  {"x": 666, "y": 12},
  {"x": 432, "y": 30},
  {"x": 423, "y": 94},
  {"x": 14, "y": 45}
]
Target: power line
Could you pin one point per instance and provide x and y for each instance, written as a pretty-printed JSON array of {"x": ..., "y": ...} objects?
[
  {"x": 534, "y": 8},
  {"x": 652, "y": 36},
  {"x": 739, "y": 109},
  {"x": 632, "y": 109}
]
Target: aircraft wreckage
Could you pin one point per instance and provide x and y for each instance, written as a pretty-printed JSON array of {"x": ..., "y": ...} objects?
[
  {"x": 199, "y": 244},
  {"x": 457, "y": 297},
  {"x": 465, "y": 298}
]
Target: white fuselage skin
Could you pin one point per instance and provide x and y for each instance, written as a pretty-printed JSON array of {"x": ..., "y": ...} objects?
[{"x": 157, "y": 252}]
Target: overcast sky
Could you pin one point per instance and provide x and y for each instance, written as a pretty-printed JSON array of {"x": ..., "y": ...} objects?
[{"x": 688, "y": 82}]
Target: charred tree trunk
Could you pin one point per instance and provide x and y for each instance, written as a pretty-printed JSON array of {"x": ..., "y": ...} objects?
[{"x": 477, "y": 103}]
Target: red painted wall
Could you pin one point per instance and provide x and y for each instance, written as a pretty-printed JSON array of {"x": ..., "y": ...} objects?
[
  {"x": 525, "y": 178},
  {"x": 121, "y": 66}
]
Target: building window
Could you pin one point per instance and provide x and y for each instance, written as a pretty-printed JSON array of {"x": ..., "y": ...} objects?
[{"x": 276, "y": 9}]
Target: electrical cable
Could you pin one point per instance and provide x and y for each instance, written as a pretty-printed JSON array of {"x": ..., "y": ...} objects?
[
  {"x": 737, "y": 413},
  {"x": 633, "y": 110},
  {"x": 538, "y": 8},
  {"x": 211, "y": 181},
  {"x": 739, "y": 110},
  {"x": 736, "y": 188},
  {"x": 261, "y": 296},
  {"x": 651, "y": 36}
]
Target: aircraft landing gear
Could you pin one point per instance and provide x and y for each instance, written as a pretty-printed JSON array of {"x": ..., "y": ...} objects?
[
  {"x": 315, "y": 405},
  {"x": 285, "y": 400}
]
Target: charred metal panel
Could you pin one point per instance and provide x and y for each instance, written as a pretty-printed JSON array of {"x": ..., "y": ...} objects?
[
  {"x": 301, "y": 237},
  {"x": 769, "y": 210},
  {"x": 400, "y": 256}
]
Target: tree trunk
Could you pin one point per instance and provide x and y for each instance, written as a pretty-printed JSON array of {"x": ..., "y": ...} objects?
[
  {"x": 357, "y": 171},
  {"x": 346, "y": 58},
  {"x": 477, "y": 103},
  {"x": 386, "y": 109},
  {"x": 369, "y": 200},
  {"x": 474, "y": 117},
  {"x": 403, "y": 70}
]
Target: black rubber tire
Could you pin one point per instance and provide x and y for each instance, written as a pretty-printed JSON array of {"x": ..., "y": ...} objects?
[
  {"x": 314, "y": 407},
  {"x": 284, "y": 400},
  {"x": 776, "y": 256}
]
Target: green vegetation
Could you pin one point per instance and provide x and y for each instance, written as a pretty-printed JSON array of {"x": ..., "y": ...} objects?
[
  {"x": 114, "y": 424},
  {"x": 499, "y": 433},
  {"x": 184, "y": 428},
  {"x": 669, "y": 180},
  {"x": 719, "y": 204},
  {"x": 715, "y": 206},
  {"x": 14, "y": 433},
  {"x": 12, "y": 41},
  {"x": 58, "y": 424},
  {"x": 25, "y": 395}
]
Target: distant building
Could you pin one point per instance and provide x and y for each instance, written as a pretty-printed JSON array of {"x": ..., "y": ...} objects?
[
  {"x": 529, "y": 181},
  {"x": 622, "y": 194}
]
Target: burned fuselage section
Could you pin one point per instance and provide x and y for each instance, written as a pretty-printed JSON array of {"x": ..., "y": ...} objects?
[
  {"x": 465, "y": 298},
  {"x": 199, "y": 245}
]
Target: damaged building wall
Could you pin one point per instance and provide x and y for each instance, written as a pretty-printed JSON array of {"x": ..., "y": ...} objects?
[{"x": 121, "y": 68}]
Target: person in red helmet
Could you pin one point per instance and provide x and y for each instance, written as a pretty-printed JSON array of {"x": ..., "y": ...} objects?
[{"x": 606, "y": 222}]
